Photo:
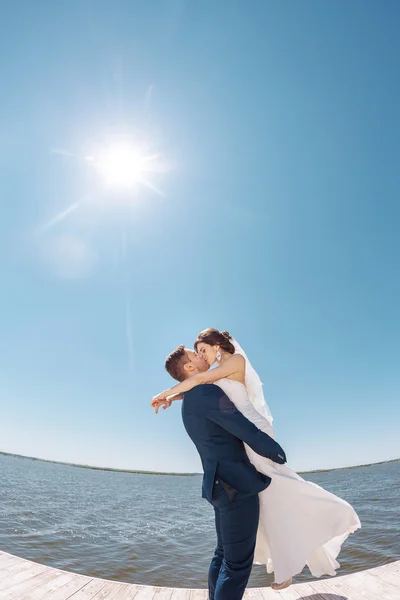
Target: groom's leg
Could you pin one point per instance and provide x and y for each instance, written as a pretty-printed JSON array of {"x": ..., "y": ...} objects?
[
  {"x": 238, "y": 523},
  {"x": 216, "y": 562}
]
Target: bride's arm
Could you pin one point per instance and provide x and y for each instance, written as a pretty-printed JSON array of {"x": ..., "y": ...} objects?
[{"x": 234, "y": 365}]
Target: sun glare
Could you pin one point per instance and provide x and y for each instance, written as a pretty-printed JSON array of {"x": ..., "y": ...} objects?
[{"x": 122, "y": 165}]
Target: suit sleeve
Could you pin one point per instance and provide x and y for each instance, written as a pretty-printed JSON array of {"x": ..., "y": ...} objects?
[{"x": 223, "y": 412}]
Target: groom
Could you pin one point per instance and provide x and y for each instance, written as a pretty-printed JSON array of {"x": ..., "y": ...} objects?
[{"x": 230, "y": 482}]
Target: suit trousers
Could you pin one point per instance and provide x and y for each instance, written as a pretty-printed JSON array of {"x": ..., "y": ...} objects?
[{"x": 236, "y": 522}]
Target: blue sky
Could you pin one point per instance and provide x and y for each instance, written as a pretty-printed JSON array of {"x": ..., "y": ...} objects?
[{"x": 278, "y": 129}]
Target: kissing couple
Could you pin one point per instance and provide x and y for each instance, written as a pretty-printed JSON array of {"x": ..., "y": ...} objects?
[{"x": 264, "y": 512}]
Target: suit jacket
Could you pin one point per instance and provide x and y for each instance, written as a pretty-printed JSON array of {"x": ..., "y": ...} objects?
[{"x": 218, "y": 431}]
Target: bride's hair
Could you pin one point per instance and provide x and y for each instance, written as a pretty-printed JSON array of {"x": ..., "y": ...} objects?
[{"x": 213, "y": 337}]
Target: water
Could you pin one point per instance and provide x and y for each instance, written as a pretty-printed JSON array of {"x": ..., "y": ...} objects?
[{"x": 157, "y": 530}]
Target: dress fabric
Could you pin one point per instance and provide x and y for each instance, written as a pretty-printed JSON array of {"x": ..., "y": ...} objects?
[{"x": 300, "y": 522}]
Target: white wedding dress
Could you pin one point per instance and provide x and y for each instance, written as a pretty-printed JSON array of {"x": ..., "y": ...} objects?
[{"x": 300, "y": 522}]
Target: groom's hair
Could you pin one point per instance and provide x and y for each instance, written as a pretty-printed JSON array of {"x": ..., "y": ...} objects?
[{"x": 175, "y": 362}]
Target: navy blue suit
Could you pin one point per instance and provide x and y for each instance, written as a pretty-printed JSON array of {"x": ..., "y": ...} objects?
[{"x": 230, "y": 482}]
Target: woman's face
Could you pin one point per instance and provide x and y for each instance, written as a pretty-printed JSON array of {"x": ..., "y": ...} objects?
[{"x": 209, "y": 353}]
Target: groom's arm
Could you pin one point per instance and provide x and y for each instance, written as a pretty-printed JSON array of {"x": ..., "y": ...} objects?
[{"x": 219, "y": 409}]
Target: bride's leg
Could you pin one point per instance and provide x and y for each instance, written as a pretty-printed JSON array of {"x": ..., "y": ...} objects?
[{"x": 281, "y": 586}]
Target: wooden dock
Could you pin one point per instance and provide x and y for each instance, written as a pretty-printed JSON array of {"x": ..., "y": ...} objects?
[{"x": 22, "y": 579}]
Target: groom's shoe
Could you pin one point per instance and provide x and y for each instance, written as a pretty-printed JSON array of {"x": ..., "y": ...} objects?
[{"x": 281, "y": 586}]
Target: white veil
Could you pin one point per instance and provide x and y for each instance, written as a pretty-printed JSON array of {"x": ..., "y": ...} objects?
[{"x": 254, "y": 385}]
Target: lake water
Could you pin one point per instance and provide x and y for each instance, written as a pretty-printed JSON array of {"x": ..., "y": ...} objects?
[{"x": 157, "y": 530}]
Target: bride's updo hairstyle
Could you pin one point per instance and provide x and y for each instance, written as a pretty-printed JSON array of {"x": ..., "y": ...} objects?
[{"x": 213, "y": 337}]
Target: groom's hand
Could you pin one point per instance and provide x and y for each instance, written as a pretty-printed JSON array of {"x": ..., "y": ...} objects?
[{"x": 279, "y": 457}]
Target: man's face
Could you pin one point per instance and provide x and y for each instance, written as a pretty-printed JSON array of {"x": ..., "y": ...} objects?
[{"x": 197, "y": 361}]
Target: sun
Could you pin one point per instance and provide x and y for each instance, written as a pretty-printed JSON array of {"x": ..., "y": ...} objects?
[
  {"x": 124, "y": 165},
  {"x": 121, "y": 165}
]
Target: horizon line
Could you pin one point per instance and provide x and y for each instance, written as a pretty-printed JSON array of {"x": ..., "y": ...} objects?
[{"x": 146, "y": 472}]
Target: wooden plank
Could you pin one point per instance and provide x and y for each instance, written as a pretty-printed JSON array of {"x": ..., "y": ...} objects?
[
  {"x": 7, "y": 557},
  {"x": 303, "y": 589},
  {"x": 163, "y": 593},
  {"x": 392, "y": 567},
  {"x": 111, "y": 590},
  {"x": 371, "y": 587},
  {"x": 29, "y": 586},
  {"x": 323, "y": 588},
  {"x": 180, "y": 594},
  {"x": 6, "y": 561},
  {"x": 198, "y": 595},
  {"x": 21, "y": 579},
  {"x": 388, "y": 576},
  {"x": 253, "y": 594},
  {"x": 144, "y": 592},
  {"x": 294, "y": 592},
  {"x": 14, "y": 568},
  {"x": 89, "y": 591},
  {"x": 129, "y": 592},
  {"x": 63, "y": 592},
  {"x": 5, "y": 554},
  {"x": 38, "y": 587},
  {"x": 29, "y": 570},
  {"x": 337, "y": 586},
  {"x": 315, "y": 593}
]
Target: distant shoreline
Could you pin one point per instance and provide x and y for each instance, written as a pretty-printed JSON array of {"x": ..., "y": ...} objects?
[
  {"x": 382, "y": 462},
  {"x": 137, "y": 472},
  {"x": 59, "y": 462}
]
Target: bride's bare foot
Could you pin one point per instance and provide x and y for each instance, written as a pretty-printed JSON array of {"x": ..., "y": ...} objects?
[{"x": 281, "y": 586}]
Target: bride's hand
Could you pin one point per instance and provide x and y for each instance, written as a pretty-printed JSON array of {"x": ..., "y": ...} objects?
[
  {"x": 166, "y": 403},
  {"x": 159, "y": 400},
  {"x": 160, "y": 397}
]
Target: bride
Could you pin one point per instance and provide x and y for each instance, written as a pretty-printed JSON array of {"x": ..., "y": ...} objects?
[{"x": 300, "y": 522}]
